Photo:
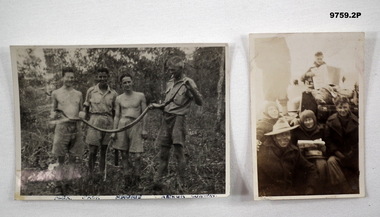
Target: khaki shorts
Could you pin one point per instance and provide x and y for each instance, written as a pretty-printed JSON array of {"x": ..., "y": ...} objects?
[
  {"x": 172, "y": 131},
  {"x": 68, "y": 139},
  {"x": 130, "y": 139},
  {"x": 95, "y": 137}
]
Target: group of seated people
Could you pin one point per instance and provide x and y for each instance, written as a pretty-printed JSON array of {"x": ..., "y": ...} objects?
[{"x": 303, "y": 157}]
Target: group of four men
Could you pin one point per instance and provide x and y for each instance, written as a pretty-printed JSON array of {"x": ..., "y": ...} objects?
[{"x": 107, "y": 110}]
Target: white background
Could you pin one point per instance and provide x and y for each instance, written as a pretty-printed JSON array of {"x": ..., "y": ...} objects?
[{"x": 151, "y": 21}]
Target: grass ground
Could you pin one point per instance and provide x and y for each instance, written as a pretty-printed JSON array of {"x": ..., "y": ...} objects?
[{"x": 205, "y": 152}]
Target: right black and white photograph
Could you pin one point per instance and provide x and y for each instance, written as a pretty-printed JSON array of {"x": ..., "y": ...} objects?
[{"x": 307, "y": 115}]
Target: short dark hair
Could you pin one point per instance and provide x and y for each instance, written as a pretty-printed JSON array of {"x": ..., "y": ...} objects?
[
  {"x": 103, "y": 69},
  {"x": 340, "y": 100},
  {"x": 176, "y": 61},
  {"x": 66, "y": 70},
  {"x": 319, "y": 53},
  {"x": 124, "y": 76}
]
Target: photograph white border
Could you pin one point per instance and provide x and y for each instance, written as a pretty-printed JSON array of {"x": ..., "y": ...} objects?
[
  {"x": 16, "y": 99},
  {"x": 361, "y": 55}
]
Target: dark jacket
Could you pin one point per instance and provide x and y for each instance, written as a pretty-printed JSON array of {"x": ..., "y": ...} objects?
[
  {"x": 278, "y": 168},
  {"x": 345, "y": 140}
]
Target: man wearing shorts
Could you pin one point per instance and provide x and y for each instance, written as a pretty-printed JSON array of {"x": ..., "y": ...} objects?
[
  {"x": 180, "y": 92},
  {"x": 100, "y": 104},
  {"x": 67, "y": 138},
  {"x": 128, "y": 107}
]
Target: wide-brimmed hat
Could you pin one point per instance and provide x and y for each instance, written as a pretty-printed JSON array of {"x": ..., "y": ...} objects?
[{"x": 281, "y": 126}]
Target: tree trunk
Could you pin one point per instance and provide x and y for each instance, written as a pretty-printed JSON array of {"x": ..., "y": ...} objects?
[{"x": 220, "y": 98}]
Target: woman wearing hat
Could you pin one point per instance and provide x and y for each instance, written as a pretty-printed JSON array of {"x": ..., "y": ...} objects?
[
  {"x": 279, "y": 162},
  {"x": 309, "y": 137},
  {"x": 265, "y": 125}
]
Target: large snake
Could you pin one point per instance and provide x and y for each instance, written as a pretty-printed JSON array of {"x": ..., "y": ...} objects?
[{"x": 150, "y": 106}]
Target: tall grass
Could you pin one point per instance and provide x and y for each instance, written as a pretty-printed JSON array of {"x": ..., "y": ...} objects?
[{"x": 205, "y": 152}]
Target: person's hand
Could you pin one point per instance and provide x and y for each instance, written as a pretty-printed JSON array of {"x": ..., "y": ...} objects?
[
  {"x": 258, "y": 144},
  {"x": 113, "y": 136},
  {"x": 156, "y": 105},
  {"x": 82, "y": 115},
  {"x": 340, "y": 155},
  {"x": 294, "y": 122},
  {"x": 190, "y": 84},
  {"x": 144, "y": 134}
]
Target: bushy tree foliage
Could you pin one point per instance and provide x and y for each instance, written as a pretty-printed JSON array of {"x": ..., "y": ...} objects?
[{"x": 39, "y": 73}]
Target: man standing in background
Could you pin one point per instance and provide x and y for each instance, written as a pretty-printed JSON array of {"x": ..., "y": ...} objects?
[{"x": 321, "y": 75}]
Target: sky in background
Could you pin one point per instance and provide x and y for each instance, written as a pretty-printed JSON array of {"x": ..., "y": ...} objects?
[{"x": 342, "y": 50}]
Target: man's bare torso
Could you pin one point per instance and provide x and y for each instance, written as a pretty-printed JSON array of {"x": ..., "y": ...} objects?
[
  {"x": 130, "y": 105},
  {"x": 69, "y": 101}
]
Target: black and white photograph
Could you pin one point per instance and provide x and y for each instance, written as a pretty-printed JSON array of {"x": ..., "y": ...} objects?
[
  {"x": 307, "y": 116},
  {"x": 121, "y": 121}
]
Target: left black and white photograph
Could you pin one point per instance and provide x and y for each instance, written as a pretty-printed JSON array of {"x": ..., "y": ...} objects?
[{"x": 121, "y": 122}]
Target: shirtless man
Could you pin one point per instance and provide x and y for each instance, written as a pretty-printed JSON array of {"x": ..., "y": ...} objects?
[
  {"x": 67, "y": 138},
  {"x": 129, "y": 106}
]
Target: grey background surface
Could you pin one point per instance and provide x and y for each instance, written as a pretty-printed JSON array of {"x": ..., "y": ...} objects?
[{"x": 147, "y": 21}]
